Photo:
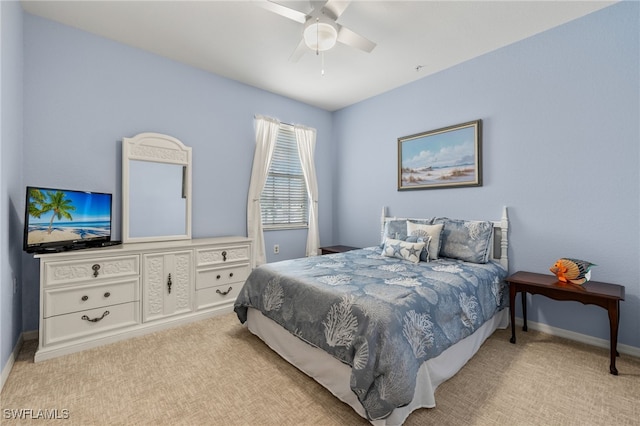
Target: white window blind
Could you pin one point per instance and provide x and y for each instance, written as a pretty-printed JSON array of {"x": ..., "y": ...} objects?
[{"x": 284, "y": 201}]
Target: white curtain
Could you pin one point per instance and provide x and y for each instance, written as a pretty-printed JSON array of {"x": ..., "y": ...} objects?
[
  {"x": 306, "y": 140},
  {"x": 266, "y": 134}
]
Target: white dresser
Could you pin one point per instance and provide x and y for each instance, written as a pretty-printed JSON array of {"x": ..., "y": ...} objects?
[{"x": 97, "y": 296}]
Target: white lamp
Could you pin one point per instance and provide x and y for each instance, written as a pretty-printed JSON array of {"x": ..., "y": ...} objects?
[{"x": 320, "y": 34}]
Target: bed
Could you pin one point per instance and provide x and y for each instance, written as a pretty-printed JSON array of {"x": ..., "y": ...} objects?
[{"x": 381, "y": 327}]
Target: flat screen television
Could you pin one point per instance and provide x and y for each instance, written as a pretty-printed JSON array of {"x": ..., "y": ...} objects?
[{"x": 62, "y": 219}]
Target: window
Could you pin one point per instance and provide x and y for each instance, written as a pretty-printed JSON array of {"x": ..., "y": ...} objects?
[{"x": 284, "y": 201}]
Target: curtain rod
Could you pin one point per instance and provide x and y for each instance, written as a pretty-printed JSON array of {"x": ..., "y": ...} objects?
[
  {"x": 281, "y": 122},
  {"x": 293, "y": 126}
]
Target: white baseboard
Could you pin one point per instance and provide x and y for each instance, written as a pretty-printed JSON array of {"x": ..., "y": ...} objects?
[
  {"x": 578, "y": 337},
  {"x": 12, "y": 358}
]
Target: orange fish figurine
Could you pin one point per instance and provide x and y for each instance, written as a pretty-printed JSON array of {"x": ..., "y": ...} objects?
[{"x": 572, "y": 270}]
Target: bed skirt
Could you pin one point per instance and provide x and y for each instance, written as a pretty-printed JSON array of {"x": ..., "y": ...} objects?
[{"x": 335, "y": 376}]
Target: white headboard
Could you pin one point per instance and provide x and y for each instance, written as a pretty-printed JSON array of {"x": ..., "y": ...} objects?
[{"x": 500, "y": 243}]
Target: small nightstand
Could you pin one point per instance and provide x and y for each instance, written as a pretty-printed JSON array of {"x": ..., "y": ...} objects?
[{"x": 336, "y": 249}]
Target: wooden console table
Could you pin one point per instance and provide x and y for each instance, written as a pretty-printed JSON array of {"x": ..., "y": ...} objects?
[{"x": 605, "y": 295}]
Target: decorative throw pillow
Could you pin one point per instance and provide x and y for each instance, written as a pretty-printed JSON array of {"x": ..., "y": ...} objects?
[
  {"x": 424, "y": 254},
  {"x": 397, "y": 228},
  {"x": 466, "y": 240},
  {"x": 402, "y": 250},
  {"x": 427, "y": 231},
  {"x": 422, "y": 221},
  {"x": 394, "y": 229}
]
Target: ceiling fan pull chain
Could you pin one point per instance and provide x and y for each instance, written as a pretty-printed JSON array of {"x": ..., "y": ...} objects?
[
  {"x": 317, "y": 36},
  {"x": 322, "y": 64}
]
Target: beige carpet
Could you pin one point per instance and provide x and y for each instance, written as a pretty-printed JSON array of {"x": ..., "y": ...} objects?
[{"x": 215, "y": 372}]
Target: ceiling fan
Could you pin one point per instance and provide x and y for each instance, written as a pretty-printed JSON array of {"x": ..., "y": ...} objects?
[{"x": 321, "y": 31}]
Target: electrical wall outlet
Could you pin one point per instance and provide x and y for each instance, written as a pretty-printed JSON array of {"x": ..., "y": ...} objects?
[{"x": 276, "y": 248}]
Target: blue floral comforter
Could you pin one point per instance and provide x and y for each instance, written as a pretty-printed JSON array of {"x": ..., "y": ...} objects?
[{"x": 382, "y": 316}]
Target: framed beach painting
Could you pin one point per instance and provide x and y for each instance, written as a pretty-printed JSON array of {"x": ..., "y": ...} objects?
[{"x": 443, "y": 158}]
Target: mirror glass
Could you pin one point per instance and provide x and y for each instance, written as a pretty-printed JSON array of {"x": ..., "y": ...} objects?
[
  {"x": 156, "y": 188},
  {"x": 156, "y": 202}
]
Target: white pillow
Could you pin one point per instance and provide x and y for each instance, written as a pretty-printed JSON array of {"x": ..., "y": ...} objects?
[
  {"x": 425, "y": 231},
  {"x": 402, "y": 250}
]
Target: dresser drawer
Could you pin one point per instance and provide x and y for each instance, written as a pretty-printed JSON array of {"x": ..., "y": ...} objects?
[
  {"x": 220, "y": 295},
  {"x": 220, "y": 255},
  {"x": 64, "y": 300},
  {"x": 212, "y": 277},
  {"x": 98, "y": 269},
  {"x": 90, "y": 322}
]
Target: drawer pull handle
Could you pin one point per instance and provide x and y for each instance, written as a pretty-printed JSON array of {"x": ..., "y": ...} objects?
[
  {"x": 231, "y": 275},
  {"x": 217, "y": 277},
  {"x": 95, "y": 268},
  {"x": 224, "y": 256},
  {"x": 223, "y": 293},
  {"x": 107, "y": 294},
  {"x": 86, "y": 318},
  {"x": 169, "y": 283},
  {"x": 85, "y": 298}
]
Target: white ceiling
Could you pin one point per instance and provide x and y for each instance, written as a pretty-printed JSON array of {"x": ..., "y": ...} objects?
[{"x": 243, "y": 41}]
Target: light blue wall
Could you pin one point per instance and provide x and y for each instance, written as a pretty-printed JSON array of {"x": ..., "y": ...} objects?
[
  {"x": 561, "y": 136},
  {"x": 11, "y": 207},
  {"x": 561, "y": 150},
  {"x": 84, "y": 93}
]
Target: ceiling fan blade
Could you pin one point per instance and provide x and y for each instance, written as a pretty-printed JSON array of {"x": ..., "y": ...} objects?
[
  {"x": 300, "y": 50},
  {"x": 336, "y": 7},
  {"x": 281, "y": 10},
  {"x": 348, "y": 37}
]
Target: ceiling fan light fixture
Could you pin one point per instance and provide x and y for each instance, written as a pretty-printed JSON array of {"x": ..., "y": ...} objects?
[{"x": 320, "y": 35}]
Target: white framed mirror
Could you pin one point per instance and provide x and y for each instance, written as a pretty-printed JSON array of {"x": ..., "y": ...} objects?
[{"x": 156, "y": 188}]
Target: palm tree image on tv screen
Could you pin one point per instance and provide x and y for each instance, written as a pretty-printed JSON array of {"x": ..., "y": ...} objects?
[{"x": 61, "y": 215}]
